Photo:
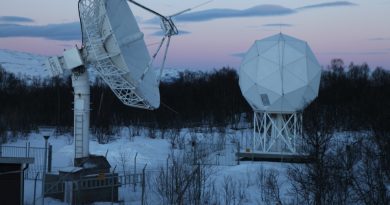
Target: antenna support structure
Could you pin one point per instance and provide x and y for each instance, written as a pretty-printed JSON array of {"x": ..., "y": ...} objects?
[
  {"x": 278, "y": 133},
  {"x": 71, "y": 60},
  {"x": 81, "y": 111}
]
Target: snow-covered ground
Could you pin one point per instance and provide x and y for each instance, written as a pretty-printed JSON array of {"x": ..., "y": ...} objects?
[{"x": 154, "y": 153}]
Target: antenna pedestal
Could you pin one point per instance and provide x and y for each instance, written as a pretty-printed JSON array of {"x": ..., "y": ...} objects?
[
  {"x": 81, "y": 110},
  {"x": 278, "y": 133}
]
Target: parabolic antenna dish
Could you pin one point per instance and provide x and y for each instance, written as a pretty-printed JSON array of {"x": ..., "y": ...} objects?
[
  {"x": 115, "y": 46},
  {"x": 279, "y": 74}
]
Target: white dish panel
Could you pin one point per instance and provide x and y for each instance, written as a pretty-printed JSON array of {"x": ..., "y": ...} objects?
[{"x": 115, "y": 46}]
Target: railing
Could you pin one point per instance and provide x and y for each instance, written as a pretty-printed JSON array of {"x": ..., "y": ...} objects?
[
  {"x": 96, "y": 182},
  {"x": 14, "y": 151},
  {"x": 37, "y": 153}
]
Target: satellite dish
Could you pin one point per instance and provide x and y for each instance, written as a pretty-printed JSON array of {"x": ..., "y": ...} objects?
[
  {"x": 110, "y": 38},
  {"x": 113, "y": 45},
  {"x": 279, "y": 76}
]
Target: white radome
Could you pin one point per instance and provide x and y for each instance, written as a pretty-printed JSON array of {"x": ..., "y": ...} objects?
[{"x": 279, "y": 74}]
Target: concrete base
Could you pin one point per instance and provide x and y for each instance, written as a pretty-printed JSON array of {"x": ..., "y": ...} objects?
[{"x": 274, "y": 157}]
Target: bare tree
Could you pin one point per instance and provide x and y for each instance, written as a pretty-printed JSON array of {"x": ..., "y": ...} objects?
[
  {"x": 310, "y": 182},
  {"x": 163, "y": 133},
  {"x": 152, "y": 132},
  {"x": 272, "y": 187},
  {"x": 233, "y": 191},
  {"x": 131, "y": 133},
  {"x": 184, "y": 180},
  {"x": 123, "y": 159},
  {"x": 269, "y": 186},
  {"x": 179, "y": 183},
  {"x": 103, "y": 134},
  {"x": 369, "y": 179},
  {"x": 173, "y": 136},
  {"x": 210, "y": 194},
  {"x": 229, "y": 190}
]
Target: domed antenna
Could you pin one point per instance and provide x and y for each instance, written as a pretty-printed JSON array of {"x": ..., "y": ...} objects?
[{"x": 279, "y": 76}]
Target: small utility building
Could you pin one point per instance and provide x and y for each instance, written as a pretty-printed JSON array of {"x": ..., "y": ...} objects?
[{"x": 12, "y": 179}]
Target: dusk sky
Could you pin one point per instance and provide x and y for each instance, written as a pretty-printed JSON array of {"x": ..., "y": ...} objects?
[{"x": 219, "y": 33}]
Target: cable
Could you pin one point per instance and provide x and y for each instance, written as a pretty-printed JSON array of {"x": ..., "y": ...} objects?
[
  {"x": 148, "y": 9},
  {"x": 187, "y": 10},
  {"x": 169, "y": 108}
]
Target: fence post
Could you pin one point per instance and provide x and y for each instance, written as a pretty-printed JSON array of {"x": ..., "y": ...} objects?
[
  {"x": 143, "y": 185},
  {"x": 167, "y": 176},
  {"x": 27, "y": 148},
  {"x": 199, "y": 181},
  {"x": 25, "y": 174},
  {"x": 46, "y": 137},
  {"x": 238, "y": 153},
  {"x": 135, "y": 170},
  {"x": 112, "y": 187},
  {"x": 50, "y": 158},
  {"x": 35, "y": 187}
]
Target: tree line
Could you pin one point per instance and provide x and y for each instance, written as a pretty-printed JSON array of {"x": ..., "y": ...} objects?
[{"x": 352, "y": 98}]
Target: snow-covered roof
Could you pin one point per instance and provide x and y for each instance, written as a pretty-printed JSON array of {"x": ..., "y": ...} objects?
[{"x": 70, "y": 169}]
